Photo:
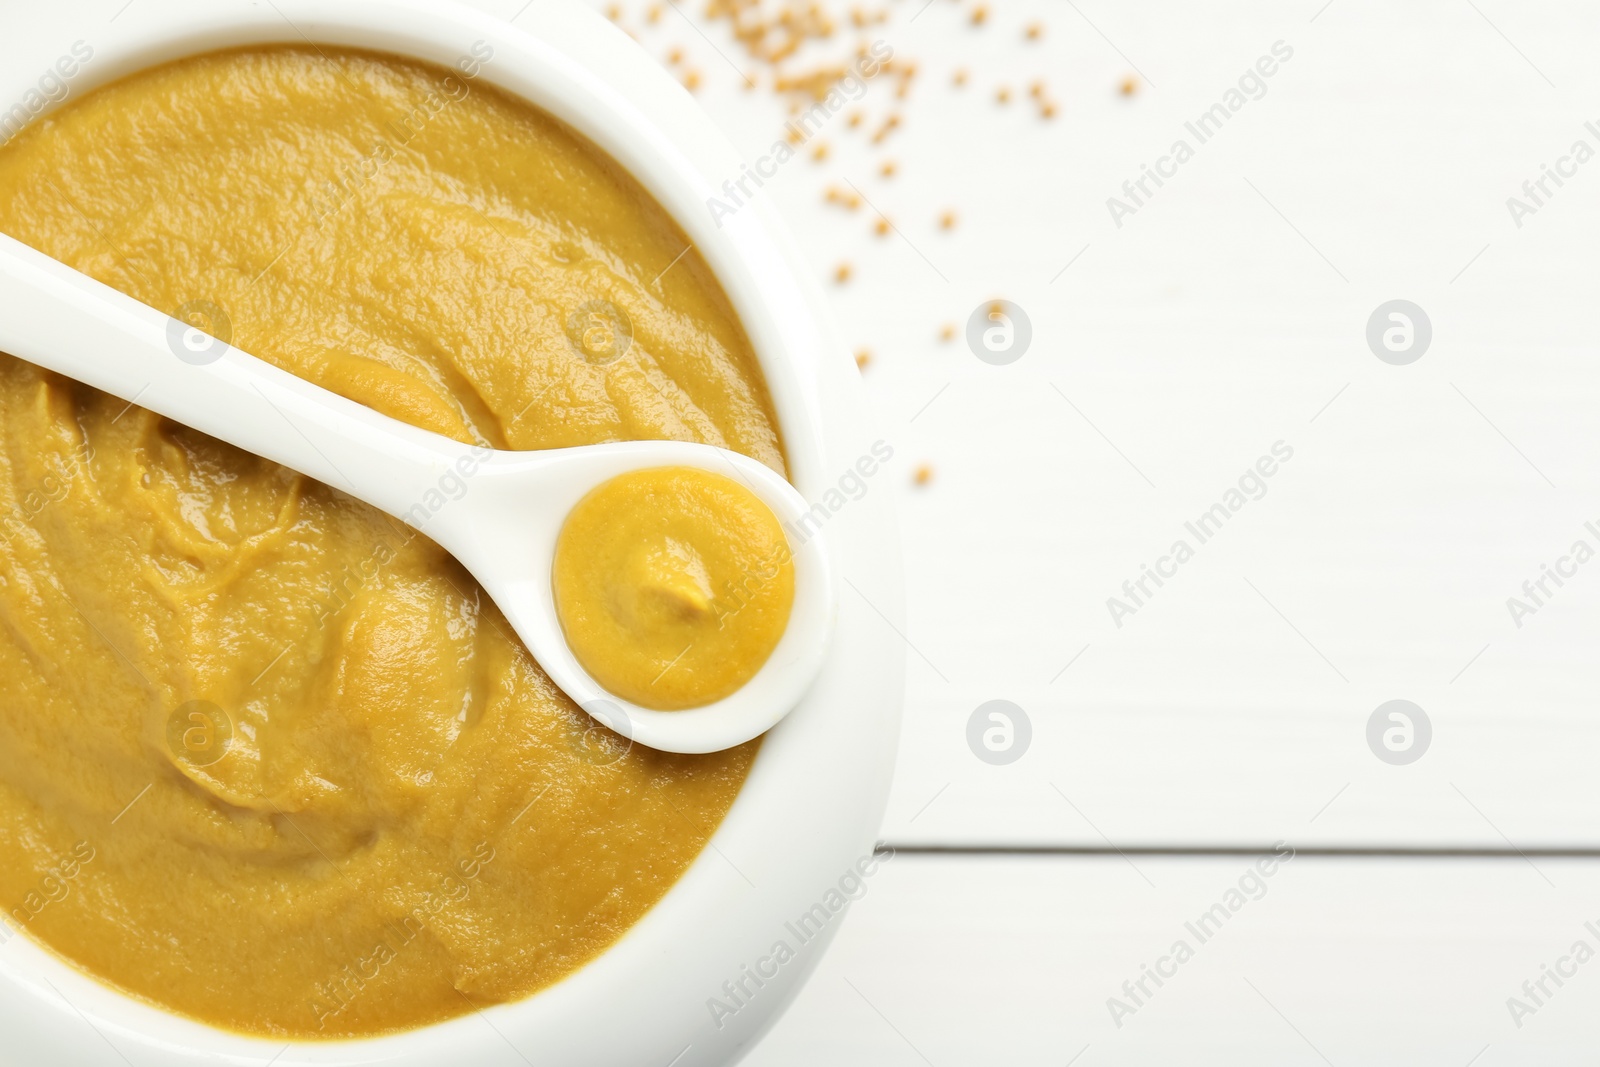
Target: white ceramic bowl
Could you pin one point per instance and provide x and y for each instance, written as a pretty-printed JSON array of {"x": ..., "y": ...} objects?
[{"x": 806, "y": 819}]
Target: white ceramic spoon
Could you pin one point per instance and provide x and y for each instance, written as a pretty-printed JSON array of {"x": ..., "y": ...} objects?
[{"x": 499, "y": 513}]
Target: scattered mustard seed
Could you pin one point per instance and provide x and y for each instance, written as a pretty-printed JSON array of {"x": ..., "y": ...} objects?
[
  {"x": 881, "y": 227},
  {"x": 820, "y": 152},
  {"x": 959, "y": 77},
  {"x": 835, "y": 195},
  {"x": 980, "y": 14},
  {"x": 675, "y": 56},
  {"x": 691, "y": 80},
  {"x": 888, "y": 168},
  {"x": 924, "y": 475},
  {"x": 841, "y": 273},
  {"x": 947, "y": 221},
  {"x": 863, "y": 357},
  {"x": 1003, "y": 95},
  {"x": 1034, "y": 31},
  {"x": 653, "y": 15},
  {"x": 1129, "y": 86},
  {"x": 947, "y": 332}
]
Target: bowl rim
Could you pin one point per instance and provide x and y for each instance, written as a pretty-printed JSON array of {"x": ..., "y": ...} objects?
[{"x": 572, "y": 63}]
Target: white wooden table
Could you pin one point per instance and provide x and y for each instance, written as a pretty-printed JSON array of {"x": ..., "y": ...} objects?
[
  {"x": 1427, "y": 902},
  {"x": 1227, "y": 313}
]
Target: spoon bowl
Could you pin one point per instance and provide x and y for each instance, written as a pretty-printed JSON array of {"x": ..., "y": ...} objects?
[{"x": 499, "y": 513}]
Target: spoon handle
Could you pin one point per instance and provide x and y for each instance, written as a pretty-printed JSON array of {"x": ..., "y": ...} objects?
[{"x": 64, "y": 321}]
